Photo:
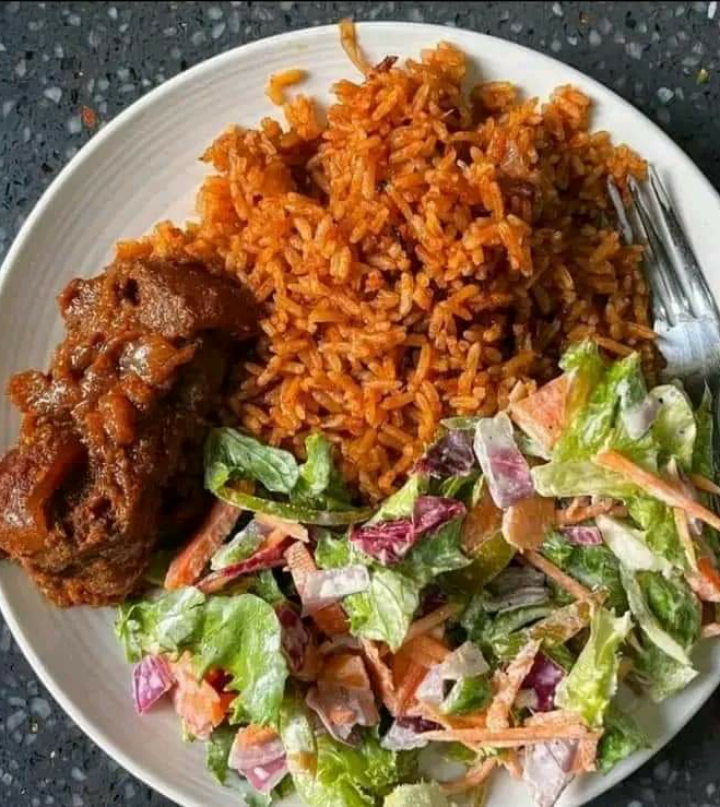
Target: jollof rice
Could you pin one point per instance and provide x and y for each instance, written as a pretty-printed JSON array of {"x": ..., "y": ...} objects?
[{"x": 423, "y": 253}]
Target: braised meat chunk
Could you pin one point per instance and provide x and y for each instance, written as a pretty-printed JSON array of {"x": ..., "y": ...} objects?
[{"x": 111, "y": 442}]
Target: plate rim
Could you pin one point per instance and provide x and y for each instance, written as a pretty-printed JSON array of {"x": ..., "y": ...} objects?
[{"x": 126, "y": 117}]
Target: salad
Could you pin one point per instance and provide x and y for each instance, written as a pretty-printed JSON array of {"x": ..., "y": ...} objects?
[{"x": 534, "y": 569}]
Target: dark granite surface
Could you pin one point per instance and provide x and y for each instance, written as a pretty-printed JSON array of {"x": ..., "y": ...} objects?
[{"x": 67, "y": 68}]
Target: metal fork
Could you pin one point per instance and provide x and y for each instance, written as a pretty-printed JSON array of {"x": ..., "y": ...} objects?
[{"x": 686, "y": 316}]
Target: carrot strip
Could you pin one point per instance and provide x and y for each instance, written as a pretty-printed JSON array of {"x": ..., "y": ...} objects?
[
  {"x": 187, "y": 567},
  {"x": 705, "y": 580},
  {"x": 347, "y": 670},
  {"x": 408, "y": 686},
  {"x": 656, "y": 486},
  {"x": 474, "y": 777},
  {"x": 476, "y": 721},
  {"x": 331, "y": 619},
  {"x": 432, "y": 620},
  {"x": 426, "y": 646},
  {"x": 381, "y": 674},
  {"x": 703, "y": 483},
  {"x": 558, "y": 576},
  {"x": 508, "y": 738},
  {"x": 508, "y": 686}
]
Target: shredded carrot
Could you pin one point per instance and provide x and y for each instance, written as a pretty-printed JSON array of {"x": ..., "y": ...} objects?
[
  {"x": 476, "y": 721},
  {"x": 656, "y": 486},
  {"x": 381, "y": 674},
  {"x": 255, "y": 735},
  {"x": 558, "y": 576},
  {"x": 710, "y": 631},
  {"x": 331, "y": 619},
  {"x": 474, "y": 777},
  {"x": 508, "y": 685},
  {"x": 705, "y": 580},
  {"x": 348, "y": 40},
  {"x": 703, "y": 483},
  {"x": 586, "y": 755},
  {"x": 187, "y": 567},
  {"x": 426, "y": 647},
  {"x": 508, "y": 738},
  {"x": 511, "y": 763},
  {"x": 432, "y": 620},
  {"x": 577, "y": 512},
  {"x": 408, "y": 686},
  {"x": 612, "y": 346},
  {"x": 347, "y": 670},
  {"x": 555, "y": 717}
]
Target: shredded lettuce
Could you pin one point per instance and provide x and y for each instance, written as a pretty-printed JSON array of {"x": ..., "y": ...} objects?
[
  {"x": 421, "y": 795},
  {"x": 656, "y": 520},
  {"x": 674, "y": 605},
  {"x": 593, "y": 566},
  {"x": 703, "y": 461},
  {"x": 659, "y": 675},
  {"x": 231, "y": 455},
  {"x": 592, "y": 682},
  {"x": 402, "y": 503},
  {"x": 621, "y": 738},
  {"x": 467, "y": 695},
  {"x": 647, "y": 620},
  {"x": 328, "y": 774},
  {"x": 674, "y": 428},
  {"x": 240, "y": 634},
  {"x": 579, "y": 478},
  {"x": 583, "y": 363},
  {"x": 630, "y": 546}
]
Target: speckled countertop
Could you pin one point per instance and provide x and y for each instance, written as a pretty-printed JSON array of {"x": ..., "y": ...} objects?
[{"x": 68, "y": 68}]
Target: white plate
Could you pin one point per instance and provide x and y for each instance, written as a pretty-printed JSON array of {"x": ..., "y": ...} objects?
[{"x": 143, "y": 168}]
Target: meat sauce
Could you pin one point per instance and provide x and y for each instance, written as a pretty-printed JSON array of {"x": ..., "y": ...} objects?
[{"x": 110, "y": 449}]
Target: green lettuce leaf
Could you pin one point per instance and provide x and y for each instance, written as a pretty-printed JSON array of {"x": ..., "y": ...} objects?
[
  {"x": 630, "y": 546},
  {"x": 467, "y": 695},
  {"x": 593, "y": 566},
  {"x": 320, "y": 484},
  {"x": 240, "y": 547},
  {"x": 579, "y": 478},
  {"x": 591, "y": 428},
  {"x": 217, "y": 751},
  {"x": 436, "y": 554},
  {"x": 703, "y": 461},
  {"x": 164, "y": 624},
  {"x": 328, "y": 774},
  {"x": 384, "y": 612},
  {"x": 659, "y": 675},
  {"x": 657, "y": 522},
  {"x": 240, "y": 634},
  {"x": 402, "y": 503},
  {"x": 674, "y": 428},
  {"x": 674, "y": 605},
  {"x": 231, "y": 455},
  {"x": 421, "y": 795},
  {"x": 582, "y": 361},
  {"x": 648, "y": 621},
  {"x": 620, "y": 739},
  {"x": 266, "y": 587},
  {"x": 592, "y": 682}
]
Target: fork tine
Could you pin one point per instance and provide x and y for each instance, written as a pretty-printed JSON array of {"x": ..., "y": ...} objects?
[
  {"x": 701, "y": 298},
  {"x": 669, "y": 289},
  {"x": 633, "y": 235}
]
